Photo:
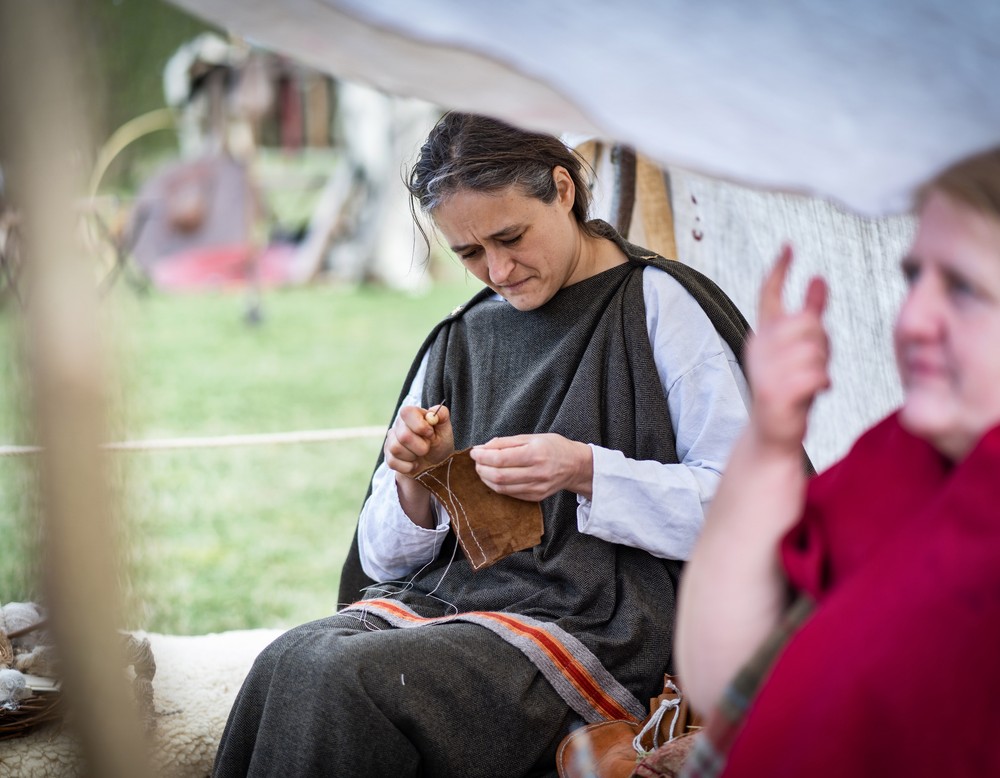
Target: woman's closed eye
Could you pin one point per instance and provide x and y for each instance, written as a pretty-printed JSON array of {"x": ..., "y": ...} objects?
[{"x": 472, "y": 253}]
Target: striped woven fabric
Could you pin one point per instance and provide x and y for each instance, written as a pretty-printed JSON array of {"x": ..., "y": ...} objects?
[{"x": 574, "y": 672}]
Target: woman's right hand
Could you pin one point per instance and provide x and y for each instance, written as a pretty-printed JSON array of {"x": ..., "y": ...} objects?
[
  {"x": 787, "y": 360},
  {"x": 419, "y": 438}
]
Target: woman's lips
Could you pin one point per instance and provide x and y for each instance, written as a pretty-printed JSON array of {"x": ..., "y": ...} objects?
[
  {"x": 921, "y": 367},
  {"x": 507, "y": 288}
]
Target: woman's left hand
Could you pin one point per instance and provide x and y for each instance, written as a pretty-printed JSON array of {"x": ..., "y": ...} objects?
[{"x": 532, "y": 467}]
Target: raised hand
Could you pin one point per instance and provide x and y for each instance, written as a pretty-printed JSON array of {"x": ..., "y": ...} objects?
[
  {"x": 419, "y": 438},
  {"x": 787, "y": 359}
]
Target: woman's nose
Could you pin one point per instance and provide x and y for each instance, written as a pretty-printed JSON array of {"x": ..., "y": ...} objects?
[
  {"x": 500, "y": 265},
  {"x": 920, "y": 314}
]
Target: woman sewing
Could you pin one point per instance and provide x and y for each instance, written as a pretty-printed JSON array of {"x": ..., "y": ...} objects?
[{"x": 590, "y": 375}]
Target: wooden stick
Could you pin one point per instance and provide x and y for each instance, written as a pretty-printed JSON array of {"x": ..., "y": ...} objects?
[
  {"x": 657, "y": 213},
  {"x": 41, "y": 106},
  {"x": 26, "y": 630}
]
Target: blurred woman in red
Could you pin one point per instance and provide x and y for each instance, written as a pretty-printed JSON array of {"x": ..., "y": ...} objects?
[{"x": 895, "y": 669}]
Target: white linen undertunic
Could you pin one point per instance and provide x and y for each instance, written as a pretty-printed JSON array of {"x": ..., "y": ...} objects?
[{"x": 646, "y": 504}]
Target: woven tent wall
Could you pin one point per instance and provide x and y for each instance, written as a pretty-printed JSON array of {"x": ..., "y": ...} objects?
[
  {"x": 740, "y": 233},
  {"x": 733, "y": 234}
]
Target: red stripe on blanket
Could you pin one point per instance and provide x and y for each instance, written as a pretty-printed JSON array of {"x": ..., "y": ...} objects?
[
  {"x": 561, "y": 657},
  {"x": 575, "y": 672}
]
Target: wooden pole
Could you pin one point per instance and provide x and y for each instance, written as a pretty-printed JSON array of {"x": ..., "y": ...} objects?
[
  {"x": 43, "y": 110},
  {"x": 657, "y": 212}
]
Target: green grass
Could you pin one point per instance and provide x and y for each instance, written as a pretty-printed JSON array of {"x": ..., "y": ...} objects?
[{"x": 232, "y": 538}]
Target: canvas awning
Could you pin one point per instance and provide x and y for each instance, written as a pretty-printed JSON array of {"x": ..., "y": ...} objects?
[{"x": 857, "y": 101}]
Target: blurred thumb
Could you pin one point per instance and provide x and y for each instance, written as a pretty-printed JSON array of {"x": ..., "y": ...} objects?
[
  {"x": 770, "y": 306},
  {"x": 816, "y": 296}
]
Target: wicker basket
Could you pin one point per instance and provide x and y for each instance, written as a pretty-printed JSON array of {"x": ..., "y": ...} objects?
[
  {"x": 39, "y": 709},
  {"x": 47, "y": 706},
  {"x": 34, "y": 711}
]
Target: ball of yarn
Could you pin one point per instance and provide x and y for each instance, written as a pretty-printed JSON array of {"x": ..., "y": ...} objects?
[
  {"x": 13, "y": 688},
  {"x": 18, "y": 615}
]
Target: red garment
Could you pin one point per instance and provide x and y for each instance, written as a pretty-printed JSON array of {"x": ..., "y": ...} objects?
[{"x": 897, "y": 672}]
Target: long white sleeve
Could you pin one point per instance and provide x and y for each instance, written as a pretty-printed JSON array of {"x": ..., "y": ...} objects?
[
  {"x": 391, "y": 546},
  {"x": 656, "y": 507}
]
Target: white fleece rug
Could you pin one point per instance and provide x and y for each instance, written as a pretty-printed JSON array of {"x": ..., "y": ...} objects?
[{"x": 196, "y": 681}]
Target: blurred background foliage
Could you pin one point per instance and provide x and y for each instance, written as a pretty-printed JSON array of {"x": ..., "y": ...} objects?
[
  {"x": 131, "y": 41},
  {"x": 234, "y": 537},
  {"x": 230, "y": 538}
]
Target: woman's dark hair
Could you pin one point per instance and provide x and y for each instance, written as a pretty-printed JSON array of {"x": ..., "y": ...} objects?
[{"x": 482, "y": 154}]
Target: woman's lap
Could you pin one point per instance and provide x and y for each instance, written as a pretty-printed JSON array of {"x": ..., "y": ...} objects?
[{"x": 336, "y": 697}]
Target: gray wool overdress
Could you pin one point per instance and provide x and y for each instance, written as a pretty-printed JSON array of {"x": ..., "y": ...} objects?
[{"x": 516, "y": 650}]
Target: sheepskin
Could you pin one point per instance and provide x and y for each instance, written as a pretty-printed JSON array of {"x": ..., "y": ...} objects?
[{"x": 195, "y": 684}]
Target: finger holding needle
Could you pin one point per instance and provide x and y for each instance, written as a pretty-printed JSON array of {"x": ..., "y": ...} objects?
[
  {"x": 431, "y": 417},
  {"x": 438, "y": 433},
  {"x": 418, "y": 439}
]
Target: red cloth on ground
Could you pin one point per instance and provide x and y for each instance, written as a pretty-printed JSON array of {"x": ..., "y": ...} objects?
[{"x": 897, "y": 672}]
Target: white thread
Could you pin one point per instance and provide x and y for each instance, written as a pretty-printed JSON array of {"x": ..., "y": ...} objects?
[
  {"x": 362, "y": 617},
  {"x": 452, "y": 606},
  {"x": 407, "y": 585},
  {"x": 222, "y": 441},
  {"x": 456, "y": 506},
  {"x": 654, "y": 723}
]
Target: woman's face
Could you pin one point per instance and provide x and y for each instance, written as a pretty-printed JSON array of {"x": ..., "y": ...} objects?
[
  {"x": 523, "y": 249},
  {"x": 947, "y": 333}
]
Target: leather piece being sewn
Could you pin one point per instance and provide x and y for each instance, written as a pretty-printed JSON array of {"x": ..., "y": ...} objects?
[{"x": 489, "y": 525}]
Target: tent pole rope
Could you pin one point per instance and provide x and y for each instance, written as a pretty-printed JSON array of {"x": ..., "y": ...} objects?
[{"x": 224, "y": 441}]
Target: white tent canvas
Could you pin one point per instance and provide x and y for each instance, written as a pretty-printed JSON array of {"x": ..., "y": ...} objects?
[
  {"x": 856, "y": 101},
  {"x": 803, "y": 121}
]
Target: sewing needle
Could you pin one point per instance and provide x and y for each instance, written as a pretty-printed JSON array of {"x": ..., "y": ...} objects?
[{"x": 431, "y": 416}]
